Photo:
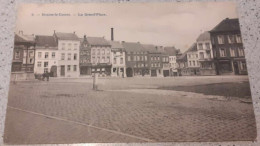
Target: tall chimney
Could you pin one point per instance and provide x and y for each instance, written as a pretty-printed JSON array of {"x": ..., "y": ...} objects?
[{"x": 112, "y": 34}]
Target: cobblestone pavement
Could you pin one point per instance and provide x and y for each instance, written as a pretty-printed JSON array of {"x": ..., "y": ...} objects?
[{"x": 126, "y": 106}]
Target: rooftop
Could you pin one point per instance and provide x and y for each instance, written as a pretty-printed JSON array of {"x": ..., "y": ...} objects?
[
  {"x": 205, "y": 36},
  {"x": 227, "y": 25},
  {"x": 66, "y": 36},
  {"x": 99, "y": 41},
  {"x": 132, "y": 46},
  {"x": 171, "y": 51},
  {"x": 42, "y": 40}
]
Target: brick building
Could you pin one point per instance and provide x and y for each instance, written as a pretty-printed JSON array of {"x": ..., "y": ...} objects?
[
  {"x": 137, "y": 63},
  {"x": 228, "y": 51},
  {"x": 85, "y": 57}
]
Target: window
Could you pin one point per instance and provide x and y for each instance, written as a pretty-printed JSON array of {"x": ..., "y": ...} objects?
[
  {"x": 93, "y": 52},
  {"x": 193, "y": 63},
  {"x": 138, "y": 58},
  {"x": 63, "y": 46},
  {"x": 201, "y": 55},
  {"x": 46, "y": 55},
  {"x": 62, "y": 56},
  {"x": 75, "y": 56},
  {"x": 121, "y": 60},
  {"x": 17, "y": 55},
  {"x": 207, "y": 46},
  {"x": 75, "y": 46},
  {"x": 39, "y": 64},
  {"x": 197, "y": 56},
  {"x": 241, "y": 52},
  {"x": 98, "y": 52},
  {"x": 108, "y": 52},
  {"x": 200, "y": 45},
  {"x": 232, "y": 52},
  {"x": 222, "y": 52},
  {"x": 68, "y": 67},
  {"x": 114, "y": 61},
  {"x": 141, "y": 58},
  {"x": 53, "y": 54},
  {"x": 31, "y": 60},
  {"x": 93, "y": 59},
  {"x": 45, "y": 69},
  {"x": 129, "y": 58},
  {"x": 39, "y": 54},
  {"x": 103, "y": 51},
  {"x": 189, "y": 56},
  {"x": 69, "y": 46},
  {"x": 231, "y": 39},
  {"x": 103, "y": 59},
  {"x": 145, "y": 58},
  {"x": 190, "y": 63},
  {"x": 134, "y": 58},
  {"x": 108, "y": 59},
  {"x": 75, "y": 68},
  {"x": 98, "y": 59},
  {"x": 221, "y": 39},
  {"x": 45, "y": 64},
  {"x": 243, "y": 65},
  {"x": 238, "y": 38},
  {"x": 69, "y": 56}
]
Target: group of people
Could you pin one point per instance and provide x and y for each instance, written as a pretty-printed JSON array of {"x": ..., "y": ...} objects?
[{"x": 42, "y": 77}]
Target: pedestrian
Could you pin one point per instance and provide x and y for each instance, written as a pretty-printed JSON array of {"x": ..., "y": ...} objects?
[{"x": 46, "y": 75}]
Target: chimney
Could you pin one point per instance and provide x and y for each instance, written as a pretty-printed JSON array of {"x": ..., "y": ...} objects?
[
  {"x": 85, "y": 37},
  {"x": 112, "y": 34}
]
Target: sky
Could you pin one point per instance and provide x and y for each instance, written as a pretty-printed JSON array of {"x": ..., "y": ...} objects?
[{"x": 165, "y": 24}]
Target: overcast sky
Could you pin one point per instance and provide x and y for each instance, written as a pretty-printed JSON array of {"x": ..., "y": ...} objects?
[{"x": 166, "y": 24}]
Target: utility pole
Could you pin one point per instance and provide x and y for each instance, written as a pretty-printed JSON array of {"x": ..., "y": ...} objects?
[{"x": 95, "y": 86}]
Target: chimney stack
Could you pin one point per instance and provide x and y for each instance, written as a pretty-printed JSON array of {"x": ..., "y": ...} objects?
[
  {"x": 85, "y": 37},
  {"x": 112, "y": 34}
]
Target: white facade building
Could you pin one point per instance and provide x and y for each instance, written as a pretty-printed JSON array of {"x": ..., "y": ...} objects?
[
  {"x": 46, "y": 52},
  {"x": 68, "y": 54},
  {"x": 118, "y": 68}
]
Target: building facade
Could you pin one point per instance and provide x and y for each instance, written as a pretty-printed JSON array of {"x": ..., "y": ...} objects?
[
  {"x": 23, "y": 57},
  {"x": 193, "y": 60},
  {"x": 137, "y": 63},
  {"x": 68, "y": 54},
  {"x": 46, "y": 51},
  {"x": 172, "y": 52},
  {"x": 118, "y": 68},
  {"x": 182, "y": 65},
  {"x": 85, "y": 58},
  {"x": 100, "y": 56},
  {"x": 154, "y": 60},
  {"x": 205, "y": 54},
  {"x": 228, "y": 51}
]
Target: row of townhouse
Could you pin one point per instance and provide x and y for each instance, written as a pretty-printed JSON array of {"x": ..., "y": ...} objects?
[
  {"x": 67, "y": 55},
  {"x": 216, "y": 52}
]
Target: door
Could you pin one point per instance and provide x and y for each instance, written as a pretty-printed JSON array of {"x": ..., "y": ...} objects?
[
  {"x": 166, "y": 73},
  {"x": 129, "y": 72},
  {"x": 153, "y": 73},
  {"x": 236, "y": 69},
  {"x": 62, "y": 70}
]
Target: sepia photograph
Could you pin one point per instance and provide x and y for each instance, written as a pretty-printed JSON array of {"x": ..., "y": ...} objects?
[{"x": 128, "y": 73}]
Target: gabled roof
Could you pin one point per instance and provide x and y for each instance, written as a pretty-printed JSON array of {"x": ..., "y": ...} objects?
[
  {"x": 45, "y": 41},
  {"x": 171, "y": 51},
  {"x": 205, "y": 36},
  {"x": 97, "y": 41},
  {"x": 192, "y": 48},
  {"x": 227, "y": 25},
  {"x": 132, "y": 46},
  {"x": 23, "y": 38},
  {"x": 116, "y": 45},
  {"x": 150, "y": 48},
  {"x": 66, "y": 36}
]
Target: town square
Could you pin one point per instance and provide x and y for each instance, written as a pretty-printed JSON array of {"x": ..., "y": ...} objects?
[
  {"x": 130, "y": 110},
  {"x": 174, "y": 73}
]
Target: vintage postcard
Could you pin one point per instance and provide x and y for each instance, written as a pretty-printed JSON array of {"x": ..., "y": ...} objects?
[{"x": 128, "y": 73}]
